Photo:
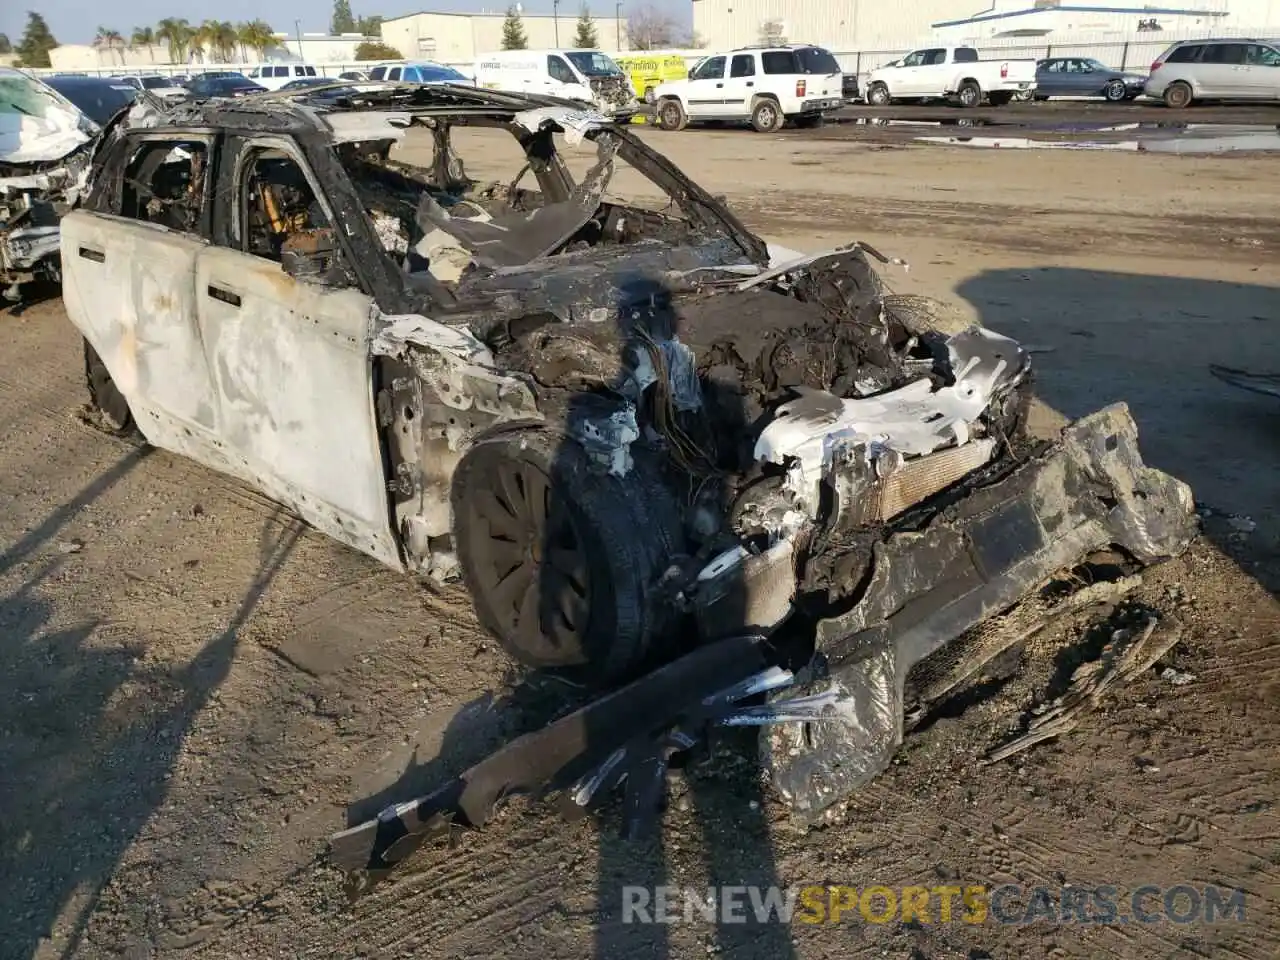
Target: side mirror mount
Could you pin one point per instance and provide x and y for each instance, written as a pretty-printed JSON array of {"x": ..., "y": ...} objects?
[{"x": 689, "y": 75}]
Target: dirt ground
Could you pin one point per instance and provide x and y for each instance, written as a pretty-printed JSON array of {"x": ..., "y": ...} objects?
[{"x": 194, "y": 689}]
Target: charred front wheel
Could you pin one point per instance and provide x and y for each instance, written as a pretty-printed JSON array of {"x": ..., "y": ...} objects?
[
  {"x": 878, "y": 95},
  {"x": 671, "y": 115},
  {"x": 105, "y": 398},
  {"x": 559, "y": 556}
]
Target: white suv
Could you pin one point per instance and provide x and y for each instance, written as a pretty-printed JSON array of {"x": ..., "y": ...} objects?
[{"x": 765, "y": 85}]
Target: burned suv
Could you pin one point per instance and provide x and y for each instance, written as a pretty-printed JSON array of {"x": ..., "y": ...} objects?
[{"x": 626, "y": 427}]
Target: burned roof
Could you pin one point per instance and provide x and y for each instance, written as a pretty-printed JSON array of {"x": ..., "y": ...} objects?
[{"x": 309, "y": 109}]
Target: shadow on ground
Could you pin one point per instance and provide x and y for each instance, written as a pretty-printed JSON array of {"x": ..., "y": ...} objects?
[
  {"x": 90, "y": 736},
  {"x": 567, "y": 556},
  {"x": 1149, "y": 340}
]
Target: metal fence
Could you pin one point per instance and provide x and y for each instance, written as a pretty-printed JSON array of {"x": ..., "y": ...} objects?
[{"x": 1135, "y": 53}]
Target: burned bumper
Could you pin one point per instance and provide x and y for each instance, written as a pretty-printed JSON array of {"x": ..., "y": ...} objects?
[
  {"x": 827, "y": 736},
  {"x": 1090, "y": 491}
]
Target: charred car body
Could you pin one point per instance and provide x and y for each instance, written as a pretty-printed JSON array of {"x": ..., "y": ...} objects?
[{"x": 639, "y": 438}]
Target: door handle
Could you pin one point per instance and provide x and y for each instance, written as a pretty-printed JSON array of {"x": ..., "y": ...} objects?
[
  {"x": 719, "y": 84},
  {"x": 89, "y": 253},
  {"x": 751, "y": 83},
  {"x": 226, "y": 296}
]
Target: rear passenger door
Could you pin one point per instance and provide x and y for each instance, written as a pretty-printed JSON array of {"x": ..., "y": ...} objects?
[
  {"x": 740, "y": 85},
  {"x": 1221, "y": 70},
  {"x": 290, "y": 355},
  {"x": 129, "y": 286}
]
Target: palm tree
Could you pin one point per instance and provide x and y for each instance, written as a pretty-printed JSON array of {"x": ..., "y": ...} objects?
[
  {"x": 256, "y": 35},
  {"x": 203, "y": 40},
  {"x": 143, "y": 37},
  {"x": 176, "y": 33},
  {"x": 225, "y": 39},
  {"x": 111, "y": 39}
]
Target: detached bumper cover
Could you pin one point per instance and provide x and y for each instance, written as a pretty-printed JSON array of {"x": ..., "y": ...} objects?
[
  {"x": 973, "y": 560},
  {"x": 826, "y": 737}
]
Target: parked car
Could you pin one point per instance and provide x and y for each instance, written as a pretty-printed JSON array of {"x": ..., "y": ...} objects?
[
  {"x": 97, "y": 98},
  {"x": 419, "y": 72},
  {"x": 165, "y": 88},
  {"x": 222, "y": 84},
  {"x": 1083, "y": 77},
  {"x": 765, "y": 86},
  {"x": 354, "y": 75},
  {"x": 950, "y": 73},
  {"x": 1225, "y": 69},
  {"x": 273, "y": 76},
  {"x": 587, "y": 76}
]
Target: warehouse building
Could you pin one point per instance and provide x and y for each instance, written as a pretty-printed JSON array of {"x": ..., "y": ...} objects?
[
  {"x": 873, "y": 25},
  {"x": 462, "y": 37}
]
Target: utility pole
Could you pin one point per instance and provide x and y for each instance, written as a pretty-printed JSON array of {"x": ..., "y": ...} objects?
[
  {"x": 297, "y": 31},
  {"x": 617, "y": 23},
  {"x": 555, "y": 13}
]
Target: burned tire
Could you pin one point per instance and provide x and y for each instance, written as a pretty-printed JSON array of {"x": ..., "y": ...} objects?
[
  {"x": 766, "y": 116},
  {"x": 560, "y": 557},
  {"x": 969, "y": 94},
  {"x": 1178, "y": 95},
  {"x": 109, "y": 403},
  {"x": 878, "y": 95},
  {"x": 671, "y": 115}
]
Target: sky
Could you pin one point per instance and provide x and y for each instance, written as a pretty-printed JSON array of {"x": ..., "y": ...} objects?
[{"x": 67, "y": 19}]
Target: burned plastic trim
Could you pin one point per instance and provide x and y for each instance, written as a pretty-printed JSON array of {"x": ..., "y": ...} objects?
[{"x": 977, "y": 558}]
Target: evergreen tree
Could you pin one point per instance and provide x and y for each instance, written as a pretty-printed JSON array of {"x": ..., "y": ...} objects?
[
  {"x": 513, "y": 35},
  {"x": 5, "y": 46},
  {"x": 342, "y": 20},
  {"x": 586, "y": 38},
  {"x": 36, "y": 43}
]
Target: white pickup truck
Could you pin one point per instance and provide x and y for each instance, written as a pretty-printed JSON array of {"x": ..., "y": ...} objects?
[{"x": 937, "y": 72}]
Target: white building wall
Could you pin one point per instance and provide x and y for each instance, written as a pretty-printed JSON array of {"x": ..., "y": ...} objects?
[
  {"x": 461, "y": 38},
  {"x": 843, "y": 25},
  {"x": 874, "y": 26}
]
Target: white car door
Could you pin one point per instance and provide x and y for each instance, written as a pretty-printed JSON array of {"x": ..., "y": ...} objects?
[
  {"x": 904, "y": 80},
  {"x": 291, "y": 361},
  {"x": 739, "y": 85},
  {"x": 129, "y": 286},
  {"x": 704, "y": 91}
]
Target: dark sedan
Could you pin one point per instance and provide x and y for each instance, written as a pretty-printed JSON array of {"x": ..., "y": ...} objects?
[
  {"x": 1082, "y": 77},
  {"x": 222, "y": 85},
  {"x": 97, "y": 99}
]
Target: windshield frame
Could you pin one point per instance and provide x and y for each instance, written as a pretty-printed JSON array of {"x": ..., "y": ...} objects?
[{"x": 576, "y": 59}]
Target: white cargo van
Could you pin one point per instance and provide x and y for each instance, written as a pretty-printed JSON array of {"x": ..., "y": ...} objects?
[
  {"x": 589, "y": 76},
  {"x": 273, "y": 76}
]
